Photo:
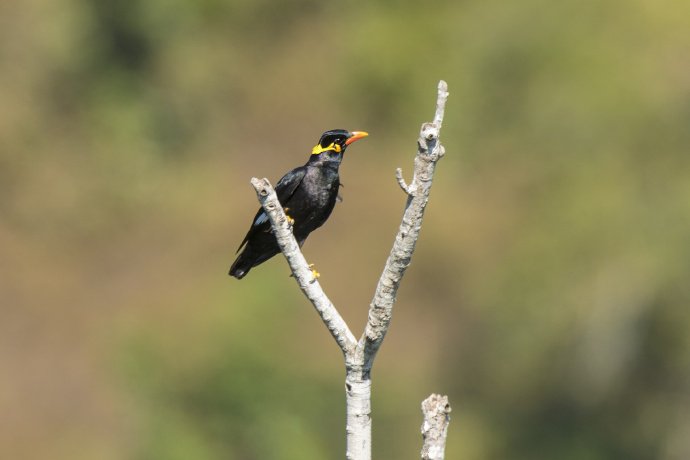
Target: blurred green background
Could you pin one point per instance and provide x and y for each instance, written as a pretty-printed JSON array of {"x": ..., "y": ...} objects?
[{"x": 548, "y": 296}]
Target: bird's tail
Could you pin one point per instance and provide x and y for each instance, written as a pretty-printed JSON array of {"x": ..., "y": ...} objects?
[{"x": 241, "y": 266}]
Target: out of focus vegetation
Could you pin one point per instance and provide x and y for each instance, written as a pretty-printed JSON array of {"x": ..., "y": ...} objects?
[{"x": 548, "y": 295}]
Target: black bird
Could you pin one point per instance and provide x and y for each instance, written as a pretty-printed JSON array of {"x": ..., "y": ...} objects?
[{"x": 307, "y": 194}]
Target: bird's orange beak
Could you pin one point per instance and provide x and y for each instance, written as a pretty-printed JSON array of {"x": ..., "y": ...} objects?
[{"x": 356, "y": 135}]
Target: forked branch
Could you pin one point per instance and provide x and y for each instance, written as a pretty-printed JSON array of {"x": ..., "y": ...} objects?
[{"x": 359, "y": 355}]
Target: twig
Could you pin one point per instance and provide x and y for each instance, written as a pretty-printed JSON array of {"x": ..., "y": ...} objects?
[
  {"x": 441, "y": 103},
  {"x": 403, "y": 185},
  {"x": 436, "y": 410}
]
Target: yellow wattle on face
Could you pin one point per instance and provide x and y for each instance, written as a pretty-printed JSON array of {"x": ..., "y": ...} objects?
[{"x": 318, "y": 149}]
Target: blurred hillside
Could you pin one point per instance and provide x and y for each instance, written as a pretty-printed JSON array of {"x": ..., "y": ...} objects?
[{"x": 548, "y": 296}]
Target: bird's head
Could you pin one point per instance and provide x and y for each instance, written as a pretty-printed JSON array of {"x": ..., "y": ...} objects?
[{"x": 333, "y": 143}]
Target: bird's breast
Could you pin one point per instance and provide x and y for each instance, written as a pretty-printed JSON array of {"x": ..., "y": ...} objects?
[{"x": 313, "y": 201}]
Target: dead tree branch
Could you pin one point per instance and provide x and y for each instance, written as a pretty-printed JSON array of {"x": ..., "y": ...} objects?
[
  {"x": 429, "y": 151},
  {"x": 436, "y": 410}
]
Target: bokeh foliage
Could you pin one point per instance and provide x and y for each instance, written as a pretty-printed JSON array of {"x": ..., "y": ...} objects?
[{"x": 548, "y": 295}]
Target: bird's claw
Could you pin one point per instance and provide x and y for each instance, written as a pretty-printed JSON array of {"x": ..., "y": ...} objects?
[
  {"x": 290, "y": 220},
  {"x": 314, "y": 273}
]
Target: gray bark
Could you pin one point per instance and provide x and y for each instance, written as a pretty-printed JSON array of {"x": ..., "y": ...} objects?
[
  {"x": 436, "y": 410},
  {"x": 359, "y": 354}
]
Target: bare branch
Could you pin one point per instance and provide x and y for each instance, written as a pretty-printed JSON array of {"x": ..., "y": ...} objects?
[
  {"x": 429, "y": 151},
  {"x": 300, "y": 268},
  {"x": 436, "y": 410}
]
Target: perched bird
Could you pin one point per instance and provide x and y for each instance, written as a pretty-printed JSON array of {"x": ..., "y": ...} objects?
[{"x": 307, "y": 194}]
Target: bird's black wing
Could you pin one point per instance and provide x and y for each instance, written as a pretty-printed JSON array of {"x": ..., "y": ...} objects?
[{"x": 285, "y": 187}]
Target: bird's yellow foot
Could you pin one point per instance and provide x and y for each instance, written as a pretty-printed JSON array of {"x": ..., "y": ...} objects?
[
  {"x": 290, "y": 220},
  {"x": 314, "y": 273}
]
